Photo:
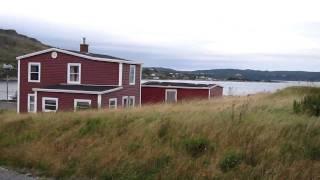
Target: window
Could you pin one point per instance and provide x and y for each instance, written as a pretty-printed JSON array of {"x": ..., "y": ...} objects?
[
  {"x": 34, "y": 70},
  {"x": 74, "y": 73},
  {"x": 171, "y": 95},
  {"x": 31, "y": 103},
  {"x": 125, "y": 101},
  {"x": 131, "y": 101},
  {"x": 82, "y": 104},
  {"x": 49, "y": 104},
  {"x": 113, "y": 103},
  {"x": 132, "y": 75}
]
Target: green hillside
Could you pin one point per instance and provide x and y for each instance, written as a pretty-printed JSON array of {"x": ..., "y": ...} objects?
[
  {"x": 255, "y": 137},
  {"x": 13, "y": 44}
]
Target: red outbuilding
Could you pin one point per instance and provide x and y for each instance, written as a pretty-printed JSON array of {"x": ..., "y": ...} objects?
[
  {"x": 62, "y": 80},
  {"x": 158, "y": 92}
]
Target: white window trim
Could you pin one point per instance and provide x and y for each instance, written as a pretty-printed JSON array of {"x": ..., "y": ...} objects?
[
  {"x": 134, "y": 76},
  {"x": 134, "y": 101},
  {"x": 68, "y": 73},
  {"x": 172, "y": 90},
  {"x": 116, "y": 102},
  {"x": 29, "y": 71},
  {"x": 80, "y": 100},
  {"x": 123, "y": 98},
  {"x": 49, "y": 98},
  {"x": 34, "y": 103}
]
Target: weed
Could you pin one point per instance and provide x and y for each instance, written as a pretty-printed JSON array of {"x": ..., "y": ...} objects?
[
  {"x": 196, "y": 146},
  {"x": 230, "y": 160}
]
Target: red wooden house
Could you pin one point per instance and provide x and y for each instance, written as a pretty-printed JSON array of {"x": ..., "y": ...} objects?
[
  {"x": 60, "y": 80},
  {"x": 158, "y": 92}
]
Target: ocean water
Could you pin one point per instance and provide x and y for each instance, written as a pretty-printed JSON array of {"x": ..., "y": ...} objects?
[
  {"x": 229, "y": 87},
  {"x": 235, "y": 88}
]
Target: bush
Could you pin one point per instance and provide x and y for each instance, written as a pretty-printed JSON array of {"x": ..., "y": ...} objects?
[
  {"x": 196, "y": 146},
  {"x": 310, "y": 104},
  {"x": 230, "y": 160}
]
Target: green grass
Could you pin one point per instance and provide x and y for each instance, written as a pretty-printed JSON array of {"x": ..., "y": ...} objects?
[{"x": 256, "y": 137}]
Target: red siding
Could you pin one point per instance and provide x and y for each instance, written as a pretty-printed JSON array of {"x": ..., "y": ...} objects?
[
  {"x": 157, "y": 94},
  {"x": 152, "y": 95},
  {"x": 54, "y": 71},
  {"x": 65, "y": 100},
  {"x": 128, "y": 90},
  {"x": 216, "y": 92}
]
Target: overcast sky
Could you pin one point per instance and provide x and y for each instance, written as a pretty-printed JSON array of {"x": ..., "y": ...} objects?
[{"x": 185, "y": 35}]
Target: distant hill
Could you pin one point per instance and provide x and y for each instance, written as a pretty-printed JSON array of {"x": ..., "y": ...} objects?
[
  {"x": 230, "y": 74},
  {"x": 13, "y": 44}
]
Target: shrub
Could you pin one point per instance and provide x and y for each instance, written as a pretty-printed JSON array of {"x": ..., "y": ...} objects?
[
  {"x": 310, "y": 104},
  {"x": 230, "y": 160},
  {"x": 196, "y": 146}
]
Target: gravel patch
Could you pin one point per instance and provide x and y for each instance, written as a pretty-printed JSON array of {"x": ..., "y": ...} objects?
[{"x": 6, "y": 174}]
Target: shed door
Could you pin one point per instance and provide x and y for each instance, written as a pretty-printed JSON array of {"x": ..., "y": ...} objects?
[{"x": 171, "y": 95}]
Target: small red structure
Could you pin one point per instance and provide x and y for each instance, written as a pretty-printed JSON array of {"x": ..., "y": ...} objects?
[
  {"x": 62, "y": 80},
  {"x": 158, "y": 92}
]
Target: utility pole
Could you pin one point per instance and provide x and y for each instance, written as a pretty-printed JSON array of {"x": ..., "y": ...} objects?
[{"x": 7, "y": 67}]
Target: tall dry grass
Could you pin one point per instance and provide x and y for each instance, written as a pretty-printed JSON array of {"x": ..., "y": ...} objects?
[{"x": 255, "y": 137}]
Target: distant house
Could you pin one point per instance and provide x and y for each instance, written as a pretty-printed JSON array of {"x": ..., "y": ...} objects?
[
  {"x": 62, "y": 80},
  {"x": 158, "y": 92}
]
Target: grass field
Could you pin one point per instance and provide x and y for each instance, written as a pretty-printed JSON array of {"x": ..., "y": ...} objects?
[{"x": 255, "y": 137}]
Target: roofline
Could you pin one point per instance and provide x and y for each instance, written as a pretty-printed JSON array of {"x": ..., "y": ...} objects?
[
  {"x": 75, "y": 54},
  {"x": 76, "y": 91},
  {"x": 181, "y": 87}
]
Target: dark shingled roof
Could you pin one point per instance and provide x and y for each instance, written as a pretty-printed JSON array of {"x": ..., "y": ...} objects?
[
  {"x": 178, "y": 84},
  {"x": 81, "y": 87},
  {"x": 97, "y": 55}
]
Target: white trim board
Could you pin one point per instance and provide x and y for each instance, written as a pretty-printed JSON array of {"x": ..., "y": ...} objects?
[
  {"x": 76, "y": 91},
  {"x": 75, "y": 54},
  {"x": 18, "y": 89}
]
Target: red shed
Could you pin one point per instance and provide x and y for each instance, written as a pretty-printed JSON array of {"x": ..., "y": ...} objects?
[{"x": 158, "y": 92}]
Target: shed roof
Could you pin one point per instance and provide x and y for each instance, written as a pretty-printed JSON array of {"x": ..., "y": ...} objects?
[
  {"x": 97, "y": 55},
  {"x": 178, "y": 84}
]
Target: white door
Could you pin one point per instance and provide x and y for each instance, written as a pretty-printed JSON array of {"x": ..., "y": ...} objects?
[{"x": 171, "y": 95}]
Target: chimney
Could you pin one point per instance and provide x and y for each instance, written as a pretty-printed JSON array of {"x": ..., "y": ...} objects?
[{"x": 84, "y": 48}]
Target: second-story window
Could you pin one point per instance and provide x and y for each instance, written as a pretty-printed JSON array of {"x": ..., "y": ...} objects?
[
  {"x": 132, "y": 75},
  {"x": 74, "y": 73},
  {"x": 34, "y": 72}
]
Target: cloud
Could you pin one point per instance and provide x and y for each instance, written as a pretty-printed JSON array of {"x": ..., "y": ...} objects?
[{"x": 267, "y": 35}]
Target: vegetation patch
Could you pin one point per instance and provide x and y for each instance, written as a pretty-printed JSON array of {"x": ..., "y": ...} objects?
[
  {"x": 230, "y": 160},
  {"x": 310, "y": 105},
  {"x": 91, "y": 126},
  {"x": 183, "y": 141},
  {"x": 196, "y": 146}
]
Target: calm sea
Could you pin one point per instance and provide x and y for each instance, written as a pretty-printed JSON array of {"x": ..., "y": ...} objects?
[{"x": 230, "y": 87}]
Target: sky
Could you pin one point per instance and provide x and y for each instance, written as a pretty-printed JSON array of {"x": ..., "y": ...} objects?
[{"x": 179, "y": 34}]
